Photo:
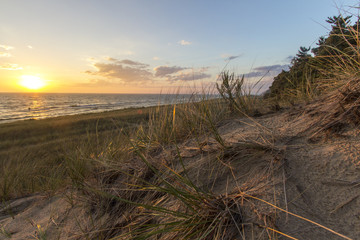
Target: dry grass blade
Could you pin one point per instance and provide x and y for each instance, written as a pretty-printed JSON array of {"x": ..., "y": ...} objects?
[
  {"x": 337, "y": 110},
  {"x": 295, "y": 215}
]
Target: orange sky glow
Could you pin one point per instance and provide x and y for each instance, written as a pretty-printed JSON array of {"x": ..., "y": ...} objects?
[{"x": 152, "y": 46}]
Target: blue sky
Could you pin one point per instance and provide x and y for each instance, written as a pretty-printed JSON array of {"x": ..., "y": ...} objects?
[{"x": 148, "y": 46}]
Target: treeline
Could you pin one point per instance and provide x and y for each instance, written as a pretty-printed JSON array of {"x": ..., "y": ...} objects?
[{"x": 315, "y": 70}]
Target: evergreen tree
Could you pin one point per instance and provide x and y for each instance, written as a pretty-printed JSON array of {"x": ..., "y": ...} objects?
[{"x": 341, "y": 46}]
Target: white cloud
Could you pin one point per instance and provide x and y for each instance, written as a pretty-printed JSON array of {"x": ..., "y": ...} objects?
[
  {"x": 10, "y": 66},
  {"x": 6, "y": 47},
  {"x": 109, "y": 59},
  {"x": 184, "y": 43},
  {"x": 5, "y": 54},
  {"x": 30, "y": 47},
  {"x": 156, "y": 58}
]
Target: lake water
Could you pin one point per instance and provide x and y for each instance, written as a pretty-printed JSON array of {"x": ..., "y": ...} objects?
[{"x": 22, "y": 106}]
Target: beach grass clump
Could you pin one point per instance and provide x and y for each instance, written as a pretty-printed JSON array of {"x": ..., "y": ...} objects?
[
  {"x": 42, "y": 155},
  {"x": 303, "y": 91},
  {"x": 338, "y": 64},
  {"x": 337, "y": 111},
  {"x": 31, "y": 170},
  {"x": 170, "y": 124},
  {"x": 149, "y": 196},
  {"x": 238, "y": 96},
  {"x": 148, "y": 199},
  {"x": 340, "y": 56},
  {"x": 120, "y": 178}
]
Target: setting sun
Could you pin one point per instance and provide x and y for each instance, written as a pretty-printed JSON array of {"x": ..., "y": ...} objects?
[{"x": 32, "y": 82}]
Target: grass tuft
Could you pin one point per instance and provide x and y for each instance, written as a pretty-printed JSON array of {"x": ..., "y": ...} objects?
[{"x": 237, "y": 96}]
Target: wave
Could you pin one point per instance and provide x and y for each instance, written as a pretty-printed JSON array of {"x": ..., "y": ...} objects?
[{"x": 15, "y": 106}]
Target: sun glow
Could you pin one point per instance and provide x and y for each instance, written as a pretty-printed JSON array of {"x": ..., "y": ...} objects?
[{"x": 32, "y": 82}]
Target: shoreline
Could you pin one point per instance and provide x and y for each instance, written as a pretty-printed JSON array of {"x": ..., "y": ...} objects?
[
  {"x": 113, "y": 111},
  {"x": 106, "y": 113},
  {"x": 51, "y": 134},
  {"x": 50, "y": 107}
]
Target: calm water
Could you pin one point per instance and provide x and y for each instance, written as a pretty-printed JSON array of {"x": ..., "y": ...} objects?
[{"x": 22, "y": 106}]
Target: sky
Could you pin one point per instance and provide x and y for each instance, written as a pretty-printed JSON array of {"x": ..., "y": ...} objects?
[{"x": 153, "y": 46}]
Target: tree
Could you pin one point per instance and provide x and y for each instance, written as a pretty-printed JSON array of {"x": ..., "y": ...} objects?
[{"x": 338, "y": 50}]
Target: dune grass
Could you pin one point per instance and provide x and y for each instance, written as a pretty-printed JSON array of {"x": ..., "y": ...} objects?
[
  {"x": 239, "y": 97},
  {"x": 158, "y": 197},
  {"x": 338, "y": 106},
  {"x": 40, "y": 155},
  {"x": 113, "y": 165},
  {"x": 33, "y": 153}
]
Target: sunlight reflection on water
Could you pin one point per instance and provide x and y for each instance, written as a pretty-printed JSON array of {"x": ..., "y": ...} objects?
[{"x": 21, "y": 106}]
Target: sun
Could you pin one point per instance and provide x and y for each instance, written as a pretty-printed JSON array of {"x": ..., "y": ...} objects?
[{"x": 32, "y": 82}]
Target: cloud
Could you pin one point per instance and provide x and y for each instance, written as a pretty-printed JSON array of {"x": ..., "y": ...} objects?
[
  {"x": 156, "y": 58},
  {"x": 228, "y": 57},
  {"x": 271, "y": 70},
  {"x": 176, "y": 73},
  {"x": 109, "y": 59},
  {"x": 5, "y": 54},
  {"x": 90, "y": 59},
  {"x": 189, "y": 76},
  {"x": 130, "y": 62},
  {"x": 165, "y": 71},
  {"x": 100, "y": 83},
  {"x": 126, "y": 70},
  {"x": 30, "y": 47},
  {"x": 127, "y": 62},
  {"x": 6, "y": 47},
  {"x": 184, "y": 43},
  {"x": 10, "y": 66}
]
